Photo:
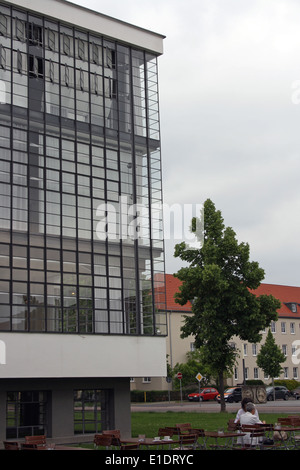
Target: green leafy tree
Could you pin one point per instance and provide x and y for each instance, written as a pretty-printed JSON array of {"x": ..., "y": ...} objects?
[
  {"x": 190, "y": 369},
  {"x": 219, "y": 280},
  {"x": 270, "y": 357}
]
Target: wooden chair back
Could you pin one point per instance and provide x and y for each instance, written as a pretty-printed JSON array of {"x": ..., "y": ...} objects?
[
  {"x": 189, "y": 440},
  {"x": 197, "y": 431},
  {"x": 102, "y": 440},
  {"x": 11, "y": 445},
  {"x": 183, "y": 427},
  {"x": 112, "y": 432},
  {"x": 40, "y": 440},
  {"x": 25, "y": 446},
  {"x": 165, "y": 432}
]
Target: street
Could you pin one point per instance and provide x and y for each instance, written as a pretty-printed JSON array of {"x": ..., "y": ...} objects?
[{"x": 279, "y": 406}]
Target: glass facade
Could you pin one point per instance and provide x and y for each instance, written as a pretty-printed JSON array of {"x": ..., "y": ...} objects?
[{"x": 81, "y": 233}]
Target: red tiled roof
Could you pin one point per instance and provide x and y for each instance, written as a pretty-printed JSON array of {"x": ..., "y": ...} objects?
[
  {"x": 172, "y": 286},
  {"x": 286, "y": 294}
]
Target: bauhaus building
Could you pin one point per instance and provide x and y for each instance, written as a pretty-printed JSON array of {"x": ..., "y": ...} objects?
[{"x": 81, "y": 241}]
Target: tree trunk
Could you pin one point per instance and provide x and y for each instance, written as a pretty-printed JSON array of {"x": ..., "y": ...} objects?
[
  {"x": 274, "y": 396},
  {"x": 221, "y": 384}
]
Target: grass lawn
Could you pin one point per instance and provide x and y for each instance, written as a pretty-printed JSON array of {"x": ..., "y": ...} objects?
[{"x": 148, "y": 423}]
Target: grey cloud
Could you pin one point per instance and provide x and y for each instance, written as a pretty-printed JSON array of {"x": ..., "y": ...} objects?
[{"x": 230, "y": 127}]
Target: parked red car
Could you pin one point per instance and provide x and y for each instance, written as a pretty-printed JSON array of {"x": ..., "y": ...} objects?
[{"x": 205, "y": 394}]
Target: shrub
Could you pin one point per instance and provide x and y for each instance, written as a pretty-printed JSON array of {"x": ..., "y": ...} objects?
[
  {"x": 254, "y": 382},
  {"x": 140, "y": 396}
]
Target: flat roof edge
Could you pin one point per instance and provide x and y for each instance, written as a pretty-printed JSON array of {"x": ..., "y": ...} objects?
[{"x": 68, "y": 12}]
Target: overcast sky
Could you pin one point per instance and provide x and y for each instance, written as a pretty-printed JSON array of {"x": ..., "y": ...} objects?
[{"x": 229, "y": 85}]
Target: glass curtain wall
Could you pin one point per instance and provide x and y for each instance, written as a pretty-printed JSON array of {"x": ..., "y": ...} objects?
[{"x": 81, "y": 239}]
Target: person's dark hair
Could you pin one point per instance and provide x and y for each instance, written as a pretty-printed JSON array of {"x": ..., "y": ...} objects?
[{"x": 244, "y": 402}]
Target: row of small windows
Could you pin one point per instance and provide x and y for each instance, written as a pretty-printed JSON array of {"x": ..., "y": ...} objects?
[
  {"x": 283, "y": 327},
  {"x": 34, "y": 34},
  {"x": 4, "y": 63},
  {"x": 256, "y": 373},
  {"x": 254, "y": 348},
  {"x": 36, "y": 68}
]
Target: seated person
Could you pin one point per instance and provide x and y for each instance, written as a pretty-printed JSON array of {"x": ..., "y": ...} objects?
[
  {"x": 249, "y": 418},
  {"x": 242, "y": 410}
]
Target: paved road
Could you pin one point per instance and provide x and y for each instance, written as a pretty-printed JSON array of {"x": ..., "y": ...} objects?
[{"x": 279, "y": 406}]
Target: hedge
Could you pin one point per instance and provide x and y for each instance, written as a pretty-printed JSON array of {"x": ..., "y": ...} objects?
[{"x": 140, "y": 396}]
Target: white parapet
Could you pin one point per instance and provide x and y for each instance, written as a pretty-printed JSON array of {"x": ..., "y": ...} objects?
[
  {"x": 90, "y": 20},
  {"x": 57, "y": 355}
]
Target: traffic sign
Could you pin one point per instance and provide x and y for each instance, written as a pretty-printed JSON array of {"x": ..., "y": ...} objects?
[
  {"x": 179, "y": 376},
  {"x": 199, "y": 377}
]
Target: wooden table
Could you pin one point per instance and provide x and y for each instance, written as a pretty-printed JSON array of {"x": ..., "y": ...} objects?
[
  {"x": 226, "y": 437},
  {"x": 57, "y": 447},
  {"x": 62, "y": 447},
  {"x": 150, "y": 442}
]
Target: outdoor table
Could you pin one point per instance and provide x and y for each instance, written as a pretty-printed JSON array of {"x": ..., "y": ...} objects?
[
  {"x": 150, "y": 442},
  {"x": 63, "y": 447},
  {"x": 57, "y": 447},
  {"x": 226, "y": 437}
]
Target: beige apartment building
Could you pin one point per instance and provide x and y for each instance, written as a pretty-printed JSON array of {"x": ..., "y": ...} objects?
[{"x": 286, "y": 332}]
